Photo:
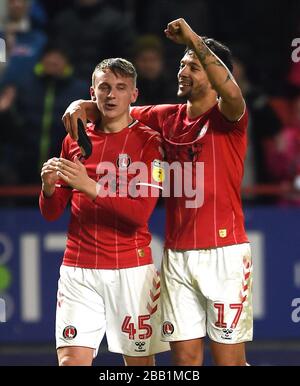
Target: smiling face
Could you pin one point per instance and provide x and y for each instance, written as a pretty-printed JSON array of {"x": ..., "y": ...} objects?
[
  {"x": 17, "y": 9},
  {"x": 113, "y": 93},
  {"x": 192, "y": 79}
]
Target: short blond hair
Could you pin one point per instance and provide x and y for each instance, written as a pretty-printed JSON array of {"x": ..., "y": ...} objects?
[{"x": 118, "y": 66}]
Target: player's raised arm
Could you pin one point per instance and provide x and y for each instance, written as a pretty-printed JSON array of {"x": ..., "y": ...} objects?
[
  {"x": 80, "y": 109},
  {"x": 231, "y": 104}
]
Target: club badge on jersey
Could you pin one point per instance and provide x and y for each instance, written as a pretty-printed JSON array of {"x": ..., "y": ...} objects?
[{"x": 123, "y": 161}]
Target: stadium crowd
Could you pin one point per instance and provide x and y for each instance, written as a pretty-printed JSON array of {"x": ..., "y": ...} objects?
[{"x": 52, "y": 47}]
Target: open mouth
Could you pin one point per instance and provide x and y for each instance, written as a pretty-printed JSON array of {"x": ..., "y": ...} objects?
[
  {"x": 110, "y": 106},
  {"x": 184, "y": 83}
]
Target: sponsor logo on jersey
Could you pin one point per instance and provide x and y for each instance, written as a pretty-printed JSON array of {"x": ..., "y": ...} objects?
[
  {"x": 167, "y": 328},
  {"x": 140, "y": 346},
  {"x": 158, "y": 173},
  {"x": 123, "y": 161},
  {"x": 226, "y": 333},
  {"x": 222, "y": 233},
  {"x": 69, "y": 332}
]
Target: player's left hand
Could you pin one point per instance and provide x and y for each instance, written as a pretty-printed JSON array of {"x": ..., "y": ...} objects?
[
  {"x": 180, "y": 32},
  {"x": 75, "y": 175}
]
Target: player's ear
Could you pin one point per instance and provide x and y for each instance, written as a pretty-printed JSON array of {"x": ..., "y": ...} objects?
[
  {"x": 92, "y": 92},
  {"x": 134, "y": 95}
]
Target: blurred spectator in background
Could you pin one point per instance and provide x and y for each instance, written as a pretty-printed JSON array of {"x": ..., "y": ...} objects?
[
  {"x": 90, "y": 30},
  {"x": 32, "y": 110},
  {"x": 284, "y": 157},
  {"x": 24, "y": 43},
  {"x": 51, "y": 7},
  {"x": 264, "y": 28},
  {"x": 151, "y": 16},
  {"x": 3, "y": 8},
  {"x": 263, "y": 127},
  {"x": 38, "y": 15},
  {"x": 153, "y": 81}
]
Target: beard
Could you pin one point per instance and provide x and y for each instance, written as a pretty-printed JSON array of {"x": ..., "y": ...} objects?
[{"x": 184, "y": 94}]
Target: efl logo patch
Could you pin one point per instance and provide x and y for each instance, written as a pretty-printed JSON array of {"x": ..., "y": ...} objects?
[
  {"x": 158, "y": 173},
  {"x": 69, "y": 332},
  {"x": 167, "y": 328},
  {"x": 123, "y": 161},
  {"x": 222, "y": 233}
]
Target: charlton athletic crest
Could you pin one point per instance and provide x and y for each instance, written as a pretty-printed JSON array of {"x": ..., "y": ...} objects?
[
  {"x": 167, "y": 328},
  {"x": 69, "y": 332},
  {"x": 123, "y": 161}
]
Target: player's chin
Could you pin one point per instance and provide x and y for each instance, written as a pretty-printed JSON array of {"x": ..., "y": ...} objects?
[
  {"x": 111, "y": 114},
  {"x": 182, "y": 93}
]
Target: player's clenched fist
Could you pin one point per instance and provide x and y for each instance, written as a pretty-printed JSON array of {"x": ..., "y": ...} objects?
[{"x": 180, "y": 32}]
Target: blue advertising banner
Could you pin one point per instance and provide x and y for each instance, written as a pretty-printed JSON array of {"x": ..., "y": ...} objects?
[{"x": 31, "y": 250}]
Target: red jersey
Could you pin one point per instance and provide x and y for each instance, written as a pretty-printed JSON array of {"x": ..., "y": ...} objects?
[
  {"x": 221, "y": 146},
  {"x": 109, "y": 232}
]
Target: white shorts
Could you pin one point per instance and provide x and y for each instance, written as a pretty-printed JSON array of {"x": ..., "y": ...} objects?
[
  {"x": 122, "y": 303},
  {"x": 209, "y": 291}
]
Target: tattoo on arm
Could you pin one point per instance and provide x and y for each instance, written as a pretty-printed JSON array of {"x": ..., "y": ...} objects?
[
  {"x": 202, "y": 51},
  {"x": 215, "y": 62}
]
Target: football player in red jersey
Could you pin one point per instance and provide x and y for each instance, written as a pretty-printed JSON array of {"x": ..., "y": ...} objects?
[
  {"x": 207, "y": 268},
  {"x": 108, "y": 283}
]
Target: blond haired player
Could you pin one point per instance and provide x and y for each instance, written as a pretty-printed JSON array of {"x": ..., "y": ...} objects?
[{"x": 108, "y": 283}]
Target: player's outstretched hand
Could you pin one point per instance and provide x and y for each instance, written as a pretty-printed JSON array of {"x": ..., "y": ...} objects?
[{"x": 180, "y": 32}]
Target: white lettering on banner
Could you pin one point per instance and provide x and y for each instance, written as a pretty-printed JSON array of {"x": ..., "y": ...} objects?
[
  {"x": 30, "y": 286},
  {"x": 257, "y": 243},
  {"x": 30, "y": 269},
  {"x": 157, "y": 246},
  {"x": 297, "y": 274},
  {"x": 296, "y": 312},
  {"x": 31, "y": 289},
  {"x": 296, "y": 51},
  {"x": 2, "y": 50},
  {"x": 55, "y": 242},
  {"x": 9, "y": 305},
  {"x": 2, "y": 311}
]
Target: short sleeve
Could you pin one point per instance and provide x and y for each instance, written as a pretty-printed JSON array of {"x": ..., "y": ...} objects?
[{"x": 239, "y": 126}]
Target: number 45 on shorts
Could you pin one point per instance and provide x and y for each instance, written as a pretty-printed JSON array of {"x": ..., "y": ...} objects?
[{"x": 143, "y": 326}]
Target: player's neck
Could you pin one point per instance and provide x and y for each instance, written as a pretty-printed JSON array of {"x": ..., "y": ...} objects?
[
  {"x": 199, "y": 106},
  {"x": 114, "y": 125}
]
